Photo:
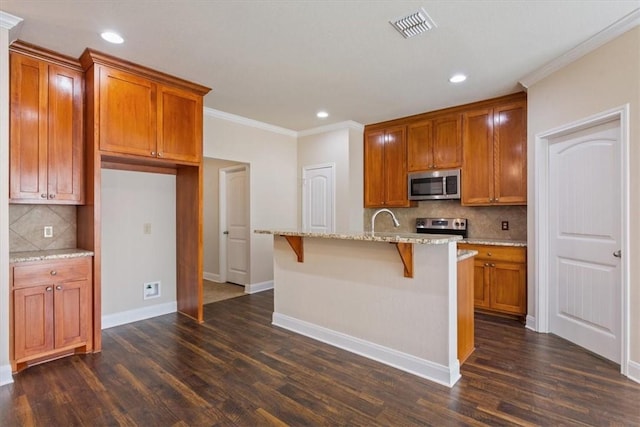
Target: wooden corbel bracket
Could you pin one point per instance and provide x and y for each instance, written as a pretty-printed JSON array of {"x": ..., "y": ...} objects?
[
  {"x": 296, "y": 244},
  {"x": 406, "y": 254}
]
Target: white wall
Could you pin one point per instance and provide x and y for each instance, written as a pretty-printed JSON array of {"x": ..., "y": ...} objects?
[
  {"x": 604, "y": 79},
  {"x": 272, "y": 157},
  {"x": 129, "y": 257},
  {"x": 343, "y": 147},
  {"x": 211, "y": 213}
]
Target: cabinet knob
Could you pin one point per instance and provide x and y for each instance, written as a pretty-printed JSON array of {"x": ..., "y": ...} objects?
[
  {"x": 53, "y": 272},
  {"x": 153, "y": 153},
  {"x": 493, "y": 265},
  {"x": 159, "y": 153},
  {"x": 48, "y": 289},
  {"x": 52, "y": 196},
  {"x": 59, "y": 288},
  {"x": 488, "y": 253},
  {"x": 486, "y": 264},
  {"x": 43, "y": 196}
]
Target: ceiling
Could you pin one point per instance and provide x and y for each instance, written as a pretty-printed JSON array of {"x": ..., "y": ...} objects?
[{"x": 279, "y": 61}]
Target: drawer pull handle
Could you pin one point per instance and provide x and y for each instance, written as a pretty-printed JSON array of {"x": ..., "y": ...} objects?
[
  {"x": 49, "y": 289},
  {"x": 58, "y": 288},
  {"x": 53, "y": 272}
]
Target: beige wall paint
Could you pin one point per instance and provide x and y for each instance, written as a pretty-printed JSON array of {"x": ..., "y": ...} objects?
[
  {"x": 356, "y": 179},
  {"x": 272, "y": 158},
  {"x": 129, "y": 257},
  {"x": 606, "y": 78},
  {"x": 211, "y": 208}
]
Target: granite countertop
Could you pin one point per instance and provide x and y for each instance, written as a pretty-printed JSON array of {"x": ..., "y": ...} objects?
[
  {"x": 15, "y": 257},
  {"x": 464, "y": 254},
  {"x": 495, "y": 242},
  {"x": 429, "y": 239}
]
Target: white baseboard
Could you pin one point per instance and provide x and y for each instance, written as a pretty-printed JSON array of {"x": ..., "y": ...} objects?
[
  {"x": 531, "y": 323},
  {"x": 633, "y": 371},
  {"x": 405, "y": 362},
  {"x": 5, "y": 375},
  {"x": 116, "y": 319},
  {"x": 211, "y": 276},
  {"x": 258, "y": 287}
]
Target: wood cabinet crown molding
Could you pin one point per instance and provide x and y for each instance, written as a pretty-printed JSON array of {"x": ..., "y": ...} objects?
[
  {"x": 38, "y": 52},
  {"x": 90, "y": 57}
]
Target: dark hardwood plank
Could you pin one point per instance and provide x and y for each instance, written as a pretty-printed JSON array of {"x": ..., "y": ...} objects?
[{"x": 237, "y": 369}]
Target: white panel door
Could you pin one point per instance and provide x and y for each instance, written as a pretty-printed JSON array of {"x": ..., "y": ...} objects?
[
  {"x": 237, "y": 219},
  {"x": 318, "y": 198},
  {"x": 585, "y": 226}
]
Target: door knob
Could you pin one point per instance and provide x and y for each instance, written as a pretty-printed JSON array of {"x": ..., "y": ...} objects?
[
  {"x": 225, "y": 232},
  {"x": 618, "y": 254}
]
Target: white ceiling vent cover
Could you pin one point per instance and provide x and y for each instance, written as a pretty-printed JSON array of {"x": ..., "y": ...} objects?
[{"x": 414, "y": 24}]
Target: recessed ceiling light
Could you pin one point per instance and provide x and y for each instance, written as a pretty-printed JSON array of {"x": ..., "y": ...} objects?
[
  {"x": 112, "y": 37},
  {"x": 457, "y": 78},
  {"x": 322, "y": 114}
]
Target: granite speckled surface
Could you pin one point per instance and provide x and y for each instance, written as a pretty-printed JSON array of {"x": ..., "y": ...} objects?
[
  {"x": 53, "y": 254},
  {"x": 496, "y": 242},
  {"x": 465, "y": 253},
  {"x": 428, "y": 239}
]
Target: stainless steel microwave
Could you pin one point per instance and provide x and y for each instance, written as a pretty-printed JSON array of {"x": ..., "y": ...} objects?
[{"x": 434, "y": 185}]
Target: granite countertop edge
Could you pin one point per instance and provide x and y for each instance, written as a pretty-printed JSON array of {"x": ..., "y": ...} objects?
[
  {"x": 466, "y": 253},
  {"x": 430, "y": 239},
  {"x": 45, "y": 255},
  {"x": 495, "y": 242}
]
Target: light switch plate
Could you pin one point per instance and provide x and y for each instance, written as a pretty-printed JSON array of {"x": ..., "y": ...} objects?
[{"x": 48, "y": 231}]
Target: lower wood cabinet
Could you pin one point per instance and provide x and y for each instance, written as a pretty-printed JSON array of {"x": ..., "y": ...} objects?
[
  {"x": 51, "y": 310},
  {"x": 500, "y": 278}
]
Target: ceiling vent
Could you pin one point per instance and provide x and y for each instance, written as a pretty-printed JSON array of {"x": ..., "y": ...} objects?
[{"x": 414, "y": 24}]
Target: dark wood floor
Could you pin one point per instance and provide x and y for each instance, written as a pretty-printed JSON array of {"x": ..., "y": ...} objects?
[{"x": 237, "y": 369}]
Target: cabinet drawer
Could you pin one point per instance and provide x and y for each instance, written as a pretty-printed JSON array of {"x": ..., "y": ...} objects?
[
  {"x": 43, "y": 272},
  {"x": 497, "y": 253}
]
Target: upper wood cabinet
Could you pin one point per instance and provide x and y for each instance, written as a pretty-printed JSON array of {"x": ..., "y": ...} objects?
[
  {"x": 46, "y": 135},
  {"x": 141, "y": 113},
  {"x": 435, "y": 143},
  {"x": 495, "y": 155},
  {"x": 385, "y": 167}
]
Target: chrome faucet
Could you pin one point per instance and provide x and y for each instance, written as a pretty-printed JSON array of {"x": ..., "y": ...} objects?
[{"x": 393, "y": 217}]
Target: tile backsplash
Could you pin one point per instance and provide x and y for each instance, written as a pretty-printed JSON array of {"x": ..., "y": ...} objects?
[
  {"x": 484, "y": 221},
  {"x": 27, "y": 222}
]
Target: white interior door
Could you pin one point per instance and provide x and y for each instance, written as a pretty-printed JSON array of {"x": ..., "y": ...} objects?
[
  {"x": 236, "y": 221},
  {"x": 318, "y": 198},
  {"x": 585, "y": 232}
]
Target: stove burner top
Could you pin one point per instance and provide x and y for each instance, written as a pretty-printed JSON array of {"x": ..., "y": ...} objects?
[{"x": 455, "y": 226}]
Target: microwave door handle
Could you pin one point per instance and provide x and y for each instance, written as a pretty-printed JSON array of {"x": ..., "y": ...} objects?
[{"x": 444, "y": 185}]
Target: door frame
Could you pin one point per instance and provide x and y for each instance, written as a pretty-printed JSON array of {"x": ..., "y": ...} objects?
[
  {"x": 541, "y": 225},
  {"x": 222, "y": 219},
  {"x": 305, "y": 170}
]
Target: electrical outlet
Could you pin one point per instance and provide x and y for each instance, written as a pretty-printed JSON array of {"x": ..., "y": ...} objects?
[
  {"x": 48, "y": 231},
  {"x": 146, "y": 228},
  {"x": 151, "y": 290},
  {"x": 505, "y": 225}
]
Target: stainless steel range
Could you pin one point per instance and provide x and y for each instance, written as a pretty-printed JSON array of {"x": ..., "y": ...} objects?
[{"x": 455, "y": 226}]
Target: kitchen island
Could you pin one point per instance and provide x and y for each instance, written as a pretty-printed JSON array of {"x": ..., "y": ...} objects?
[{"x": 391, "y": 297}]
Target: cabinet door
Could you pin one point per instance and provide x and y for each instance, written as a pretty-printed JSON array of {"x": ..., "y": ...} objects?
[
  {"x": 419, "y": 147},
  {"x": 29, "y": 125},
  {"x": 511, "y": 153},
  {"x": 478, "y": 169},
  {"x": 179, "y": 125},
  {"x": 71, "y": 313},
  {"x": 128, "y": 113},
  {"x": 508, "y": 288},
  {"x": 481, "y": 279},
  {"x": 33, "y": 320},
  {"x": 65, "y": 147},
  {"x": 395, "y": 167},
  {"x": 374, "y": 169},
  {"x": 447, "y": 142}
]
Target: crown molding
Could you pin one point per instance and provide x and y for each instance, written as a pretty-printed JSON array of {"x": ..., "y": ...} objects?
[
  {"x": 349, "y": 124},
  {"x": 611, "y": 32},
  {"x": 12, "y": 23},
  {"x": 248, "y": 122}
]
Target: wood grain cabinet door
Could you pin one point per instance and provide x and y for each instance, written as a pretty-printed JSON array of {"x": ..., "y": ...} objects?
[
  {"x": 511, "y": 154},
  {"x": 420, "y": 146},
  {"x": 447, "y": 142},
  {"x": 65, "y": 148},
  {"x": 395, "y": 167},
  {"x": 374, "y": 169},
  {"x": 71, "y": 313},
  {"x": 481, "y": 280},
  {"x": 128, "y": 114},
  {"x": 179, "y": 125},
  {"x": 33, "y": 320},
  {"x": 29, "y": 127},
  {"x": 478, "y": 168},
  {"x": 508, "y": 289}
]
